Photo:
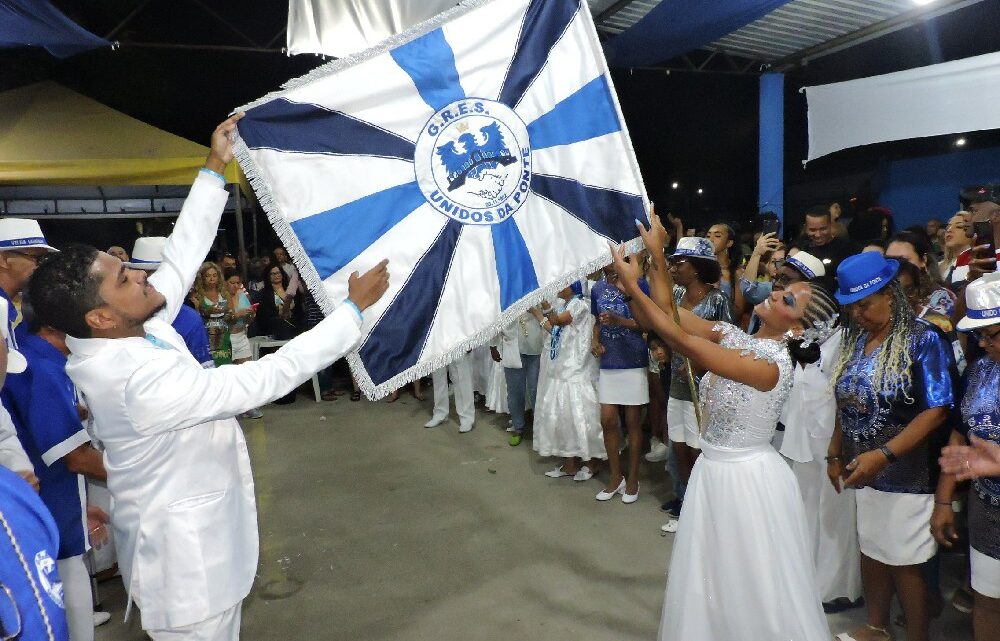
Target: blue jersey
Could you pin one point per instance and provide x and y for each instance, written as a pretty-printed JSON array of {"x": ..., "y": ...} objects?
[
  {"x": 192, "y": 329},
  {"x": 28, "y": 541},
  {"x": 42, "y": 403}
]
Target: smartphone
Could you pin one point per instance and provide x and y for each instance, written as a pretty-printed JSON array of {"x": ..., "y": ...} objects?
[
  {"x": 983, "y": 230},
  {"x": 769, "y": 226}
]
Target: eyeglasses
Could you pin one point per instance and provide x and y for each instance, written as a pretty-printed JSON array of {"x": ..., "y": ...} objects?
[
  {"x": 986, "y": 336},
  {"x": 32, "y": 257}
]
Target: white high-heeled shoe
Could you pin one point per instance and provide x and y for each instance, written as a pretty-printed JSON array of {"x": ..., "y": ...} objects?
[
  {"x": 630, "y": 498},
  {"x": 607, "y": 496}
]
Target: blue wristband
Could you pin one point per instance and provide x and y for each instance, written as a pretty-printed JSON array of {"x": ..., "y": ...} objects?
[
  {"x": 350, "y": 303},
  {"x": 206, "y": 170}
]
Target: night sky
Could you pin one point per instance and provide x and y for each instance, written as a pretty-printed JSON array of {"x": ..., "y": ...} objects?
[{"x": 697, "y": 129}]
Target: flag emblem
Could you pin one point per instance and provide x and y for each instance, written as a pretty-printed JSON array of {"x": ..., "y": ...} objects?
[
  {"x": 473, "y": 162},
  {"x": 489, "y": 176}
]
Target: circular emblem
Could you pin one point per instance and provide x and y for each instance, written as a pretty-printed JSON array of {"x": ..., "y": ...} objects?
[{"x": 473, "y": 162}]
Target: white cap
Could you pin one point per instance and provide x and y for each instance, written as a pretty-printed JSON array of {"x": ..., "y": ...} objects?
[
  {"x": 147, "y": 253},
  {"x": 982, "y": 303},
  {"x": 22, "y": 233},
  {"x": 16, "y": 362},
  {"x": 810, "y": 266}
]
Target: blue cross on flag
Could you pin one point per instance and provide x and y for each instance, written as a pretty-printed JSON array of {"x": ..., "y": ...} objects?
[{"x": 483, "y": 153}]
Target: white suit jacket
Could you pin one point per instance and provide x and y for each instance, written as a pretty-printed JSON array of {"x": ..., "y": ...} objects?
[
  {"x": 184, "y": 515},
  {"x": 811, "y": 410}
]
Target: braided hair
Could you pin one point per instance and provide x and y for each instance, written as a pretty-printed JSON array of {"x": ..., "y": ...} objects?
[{"x": 894, "y": 363}]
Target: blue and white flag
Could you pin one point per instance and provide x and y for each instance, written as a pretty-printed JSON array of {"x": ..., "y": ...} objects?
[{"x": 483, "y": 153}]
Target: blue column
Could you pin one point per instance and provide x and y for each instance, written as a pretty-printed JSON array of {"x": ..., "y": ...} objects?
[{"x": 771, "y": 163}]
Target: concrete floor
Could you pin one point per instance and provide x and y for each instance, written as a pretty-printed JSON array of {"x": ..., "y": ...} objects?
[{"x": 372, "y": 527}]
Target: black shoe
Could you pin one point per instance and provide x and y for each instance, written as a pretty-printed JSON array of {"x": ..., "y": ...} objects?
[
  {"x": 842, "y": 603},
  {"x": 672, "y": 508}
]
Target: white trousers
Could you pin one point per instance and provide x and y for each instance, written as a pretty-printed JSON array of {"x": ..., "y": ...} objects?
[
  {"x": 221, "y": 627},
  {"x": 461, "y": 377},
  {"x": 832, "y": 522},
  {"x": 77, "y": 598}
]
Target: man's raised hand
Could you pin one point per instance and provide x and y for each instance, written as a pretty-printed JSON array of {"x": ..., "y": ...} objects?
[
  {"x": 365, "y": 290},
  {"x": 221, "y": 152}
]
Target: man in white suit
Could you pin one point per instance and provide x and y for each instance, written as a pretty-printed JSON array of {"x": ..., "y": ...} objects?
[{"x": 184, "y": 516}]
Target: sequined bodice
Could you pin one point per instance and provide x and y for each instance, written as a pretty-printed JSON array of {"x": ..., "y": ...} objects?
[{"x": 737, "y": 415}]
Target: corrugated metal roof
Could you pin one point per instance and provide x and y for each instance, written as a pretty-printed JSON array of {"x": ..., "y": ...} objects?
[{"x": 797, "y": 27}]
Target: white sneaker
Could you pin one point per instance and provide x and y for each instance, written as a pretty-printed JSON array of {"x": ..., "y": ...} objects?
[
  {"x": 510, "y": 428},
  {"x": 658, "y": 451},
  {"x": 584, "y": 474},
  {"x": 556, "y": 473},
  {"x": 463, "y": 429},
  {"x": 435, "y": 421},
  {"x": 100, "y": 618},
  {"x": 669, "y": 527}
]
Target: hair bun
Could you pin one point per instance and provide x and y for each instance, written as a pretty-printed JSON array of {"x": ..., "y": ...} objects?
[{"x": 803, "y": 354}]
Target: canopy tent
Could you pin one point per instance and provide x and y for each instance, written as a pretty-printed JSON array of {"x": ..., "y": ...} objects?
[
  {"x": 54, "y": 136},
  {"x": 58, "y": 147}
]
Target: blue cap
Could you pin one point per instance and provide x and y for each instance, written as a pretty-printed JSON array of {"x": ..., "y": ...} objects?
[{"x": 862, "y": 275}]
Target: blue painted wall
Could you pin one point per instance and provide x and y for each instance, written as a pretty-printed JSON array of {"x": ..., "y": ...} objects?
[{"x": 916, "y": 189}]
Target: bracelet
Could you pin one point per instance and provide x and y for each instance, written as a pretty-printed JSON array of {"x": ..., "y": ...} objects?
[
  {"x": 949, "y": 504},
  {"x": 834, "y": 458},
  {"x": 351, "y": 303},
  {"x": 210, "y": 172},
  {"x": 888, "y": 453}
]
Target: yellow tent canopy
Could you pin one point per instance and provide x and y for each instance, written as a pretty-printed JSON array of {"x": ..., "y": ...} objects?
[{"x": 50, "y": 135}]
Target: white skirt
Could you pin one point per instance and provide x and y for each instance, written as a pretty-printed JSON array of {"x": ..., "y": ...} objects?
[
  {"x": 894, "y": 528},
  {"x": 623, "y": 387},
  {"x": 241, "y": 346},
  {"x": 741, "y": 567},
  {"x": 496, "y": 393},
  {"x": 568, "y": 421},
  {"x": 985, "y": 574}
]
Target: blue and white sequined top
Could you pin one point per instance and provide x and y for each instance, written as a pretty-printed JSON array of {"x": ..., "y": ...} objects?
[
  {"x": 736, "y": 415},
  {"x": 981, "y": 416},
  {"x": 869, "y": 420}
]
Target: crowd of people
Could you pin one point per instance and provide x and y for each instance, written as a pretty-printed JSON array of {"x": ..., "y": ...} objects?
[
  {"x": 897, "y": 361},
  {"x": 819, "y": 403}
]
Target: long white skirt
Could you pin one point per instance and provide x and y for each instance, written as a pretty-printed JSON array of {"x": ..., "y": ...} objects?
[
  {"x": 568, "y": 420},
  {"x": 742, "y": 568}
]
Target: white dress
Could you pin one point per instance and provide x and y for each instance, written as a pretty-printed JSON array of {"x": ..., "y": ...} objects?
[
  {"x": 568, "y": 415},
  {"x": 496, "y": 394},
  {"x": 742, "y": 567}
]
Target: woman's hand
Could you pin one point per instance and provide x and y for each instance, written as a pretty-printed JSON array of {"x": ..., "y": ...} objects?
[
  {"x": 628, "y": 270},
  {"x": 864, "y": 468},
  {"x": 495, "y": 354},
  {"x": 597, "y": 349},
  {"x": 656, "y": 236},
  {"x": 943, "y": 525},
  {"x": 979, "y": 458},
  {"x": 766, "y": 243},
  {"x": 835, "y": 472}
]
